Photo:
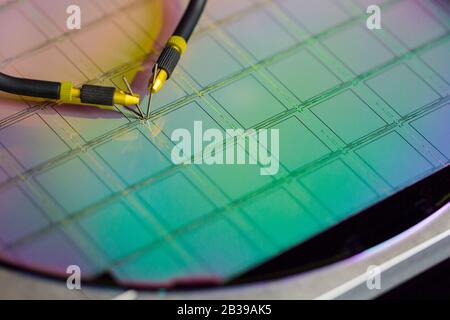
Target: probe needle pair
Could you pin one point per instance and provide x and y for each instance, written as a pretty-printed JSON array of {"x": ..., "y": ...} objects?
[
  {"x": 141, "y": 114},
  {"x": 100, "y": 96}
]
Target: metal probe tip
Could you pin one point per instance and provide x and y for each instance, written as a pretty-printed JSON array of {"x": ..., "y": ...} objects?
[{"x": 151, "y": 90}]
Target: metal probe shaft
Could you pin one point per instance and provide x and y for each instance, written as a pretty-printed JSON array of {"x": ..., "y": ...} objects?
[{"x": 149, "y": 106}]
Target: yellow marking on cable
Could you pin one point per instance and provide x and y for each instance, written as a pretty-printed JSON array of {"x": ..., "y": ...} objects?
[{"x": 179, "y": 43}]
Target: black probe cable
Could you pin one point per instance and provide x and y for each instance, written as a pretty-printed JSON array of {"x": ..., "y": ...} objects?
[
  {"x": 109, "y": 96},
  {"x": 177, "y": 44}
]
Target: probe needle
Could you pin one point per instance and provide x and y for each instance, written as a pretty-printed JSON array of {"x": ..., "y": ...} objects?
[
  {"x": 129, "y": 109},
  {"x": 125, "y": 80},
  {"x": 149, "y": 106}
]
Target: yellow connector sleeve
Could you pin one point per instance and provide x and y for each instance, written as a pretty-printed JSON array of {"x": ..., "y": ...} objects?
[
  {"x": 160, "y": 80},
  {"x": 177, "y": 42},
  {"x": 68, "y": 92},
  {"x": 125, "y": 99}
]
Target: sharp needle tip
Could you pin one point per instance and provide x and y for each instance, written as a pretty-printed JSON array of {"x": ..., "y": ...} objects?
[{"x": 149, "y": 106}]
